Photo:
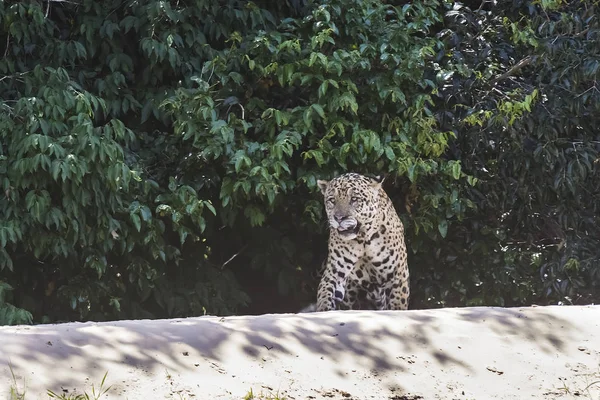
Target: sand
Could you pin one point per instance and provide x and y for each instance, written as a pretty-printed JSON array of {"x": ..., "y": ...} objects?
[{"x": 454, "y": 353}]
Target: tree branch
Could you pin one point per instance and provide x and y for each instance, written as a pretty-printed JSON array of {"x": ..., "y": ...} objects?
[{"x": 514, "y": 69}]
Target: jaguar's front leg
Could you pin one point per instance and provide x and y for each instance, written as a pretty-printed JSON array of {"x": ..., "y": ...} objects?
[
  {"x": 332, "y": 287},
  {"x": 352, "y": 290}
]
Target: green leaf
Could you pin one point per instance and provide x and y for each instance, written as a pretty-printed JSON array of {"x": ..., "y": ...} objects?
[
  {"x": 307, "y": 117},
  {"x": 456, "y": 169},
  {"x": 136, "y": 221},
  {"x": 256, "y": 216},
  {"x": 114, "y": 302},
  {"x": 443, "y": 228},
  {"x": 389, "y": 153},
  {"x": 146, "y": 213},
  {"x": 210, "y": 207},
  {"x": 323, "y": 89},
  {"x": 3, "y": 237},
  {"x": 412, "y": 172},
  {"x": 319, "y": 109}
]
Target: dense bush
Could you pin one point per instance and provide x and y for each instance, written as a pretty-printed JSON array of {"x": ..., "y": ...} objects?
[
  {"x": 520, "y": 91},
  {"x": 159, "y": 159}
]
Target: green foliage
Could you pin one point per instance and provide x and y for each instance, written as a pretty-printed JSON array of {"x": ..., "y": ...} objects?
[
  {"x": 9, "y": 314},
  {"x": 279, "y": 109},
  {"x": 520, "y": 81},
  {"x": 156, "y": 156},
  {"x": 85, "y": 226}
]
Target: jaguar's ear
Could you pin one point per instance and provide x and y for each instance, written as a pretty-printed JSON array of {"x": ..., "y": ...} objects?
[
  {"x": 323, "y": 185},
  {"x": 378, "y": 181}
]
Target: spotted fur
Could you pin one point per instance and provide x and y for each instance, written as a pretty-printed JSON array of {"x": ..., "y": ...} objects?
[{"x": 366, "y": 265}]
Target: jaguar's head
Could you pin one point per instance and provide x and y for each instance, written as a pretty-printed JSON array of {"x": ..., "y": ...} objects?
[{"x": 351, "y": 202}]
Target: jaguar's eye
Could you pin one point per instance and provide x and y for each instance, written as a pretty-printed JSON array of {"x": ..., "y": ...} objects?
[
  {"x": 330, "y": 200},
  {"x": 354, "y": 200}
]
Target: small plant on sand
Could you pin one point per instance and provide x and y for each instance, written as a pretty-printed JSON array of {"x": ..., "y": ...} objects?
[
  {"x": 85, "y": 396},
  {"x": 586, "y": 392},
  {"x": 15, "y": 393},
  {"x": 251, "y": 396}
]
